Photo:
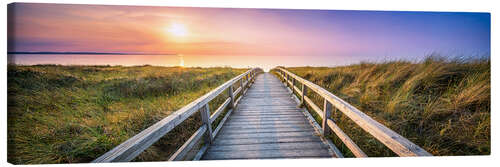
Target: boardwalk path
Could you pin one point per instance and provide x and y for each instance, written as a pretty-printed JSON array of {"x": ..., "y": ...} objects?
[{"x": 267, "y": 124}]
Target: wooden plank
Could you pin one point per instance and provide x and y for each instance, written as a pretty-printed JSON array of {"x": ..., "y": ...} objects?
[
  {"x": 237, "y": 92},
  {"x": 238, "y": 100},
  {"x": 221, "y": 124},
  {"x": 240, "y": 127},
  {"x": 394, "y": 141},
  {"x": 346, "y": 139},
  {"x": 189, "y": 144},
  {"x": 316, "y": 153},
  {"x": 200, "y": 153},
  {"x": 266, "y": 116},
  {"x": 268, "y": 109},
  {"x": 268, "y": 113},
  {"x": 276, "y": 135},
  {"x": 274, "y": 130},
  {"x": 303, "y": 93},
  {"x": 327, "y": 110},
  {"x": 270, "y": 146},
  {"x": 268, "y": 122},
  {"x": 263, "y": 140},
  {"x": 131, "y": 148},
  {"x": 314, "y": 107},
  {"x": 205, "y": 118},
  {"x": 230, "y": 93},
  {"x": 267, "y": 119},
  {"x": 220, "y": 110}
]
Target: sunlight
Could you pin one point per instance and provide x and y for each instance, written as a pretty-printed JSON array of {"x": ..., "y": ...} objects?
[
  {"x": 177, "y": 29},
  {"x": 181, "y": 58}
]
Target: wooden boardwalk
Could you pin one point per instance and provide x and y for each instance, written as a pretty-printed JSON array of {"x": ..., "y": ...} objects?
[
  {"x": 263, "y": 121},
  {"x": 268, "y": 124}
]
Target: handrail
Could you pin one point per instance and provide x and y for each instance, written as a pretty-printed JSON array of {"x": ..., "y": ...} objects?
[
  {"x": 135, "y": 145},
  {"x": 397, "y": 143}
]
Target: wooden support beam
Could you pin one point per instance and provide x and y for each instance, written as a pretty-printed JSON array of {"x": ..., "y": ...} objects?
[
  {"x": 230, "y": 92},
  {"x": 327, "y": 110},
  {"x": 205, "y": 117},
  {"x": 188, "y": 145},
  {"x": 304, "y": 93},
  {"x": 241, "y": 85}
]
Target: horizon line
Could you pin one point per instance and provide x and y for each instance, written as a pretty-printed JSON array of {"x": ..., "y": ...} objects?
[{"x": 90, "y": 53}]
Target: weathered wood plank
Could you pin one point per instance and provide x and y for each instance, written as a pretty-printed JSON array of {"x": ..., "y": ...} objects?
[
  {"x": 266, "y": 119},
  {"x": 314, "y": 107},
  {"x": 200, "y": 153},
  {"x": 268, "y": 113},
  {"x": 230, "y": 93},
  {"x": 346, "y": 139},
  {"x": 189, "y": 144},
  {"x": 273, "y": 130},
  {"x": 327, "y": 110},
  {"x": 272, "y": 126},
  {"x": 268, "y": 122},
  {"x": 220, "y": 110},
  {"x": 279, "y": 116},
  {"x": 205, "y": 118},
  {"x": 316, "y": 153},
  {"x": 263, "y": 140},
  {"x": 270, "y": 146},
  {"x": 221, "y": 124},
  {"x": 276, "y": 135},
  {"x": 237, "y": 92}
]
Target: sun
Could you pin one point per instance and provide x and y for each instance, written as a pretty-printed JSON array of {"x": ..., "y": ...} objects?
[{"x": 177, "y": 29}]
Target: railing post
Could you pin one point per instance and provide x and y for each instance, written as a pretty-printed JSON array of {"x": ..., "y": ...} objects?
[
  {"x": 241, "y": 85},
  {"x": 286, "y": 79},
  {"x": 253, "y": 76},
  {"x": 205, "y": 117},
  {"x": 283, "y": 75},
  {"x": 248, "y": 81},
  {"x": 230, "y": 92},
  {"x": 327, "y": 111},
  {"x": 304, "y": 92}
]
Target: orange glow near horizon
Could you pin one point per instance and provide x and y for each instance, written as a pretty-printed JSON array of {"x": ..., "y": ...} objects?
[{"x": 239, "y": 37}]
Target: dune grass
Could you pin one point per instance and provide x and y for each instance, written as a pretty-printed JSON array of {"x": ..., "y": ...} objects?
[
  {"x": 439, "y": 104},
  {"x": 70, "y": 114}
]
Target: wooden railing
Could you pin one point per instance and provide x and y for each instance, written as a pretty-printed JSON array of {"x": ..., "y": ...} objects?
[
  {"x": 397, "y": 143},
  {"x": 131, "y": 148}
]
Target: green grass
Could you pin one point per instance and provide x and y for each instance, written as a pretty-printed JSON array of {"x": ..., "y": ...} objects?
[
  {"x": 441, "y": 105},
  {"x": 70, "y": 114}
]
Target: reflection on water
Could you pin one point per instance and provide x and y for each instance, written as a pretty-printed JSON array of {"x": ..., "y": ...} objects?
[{"x": 238, "y": 61}]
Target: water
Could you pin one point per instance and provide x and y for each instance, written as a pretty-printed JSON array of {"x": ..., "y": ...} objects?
[{"x": 237, "y": 61}]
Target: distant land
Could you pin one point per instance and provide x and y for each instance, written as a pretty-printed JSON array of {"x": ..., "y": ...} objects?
[{"x": 92, "y": 53}]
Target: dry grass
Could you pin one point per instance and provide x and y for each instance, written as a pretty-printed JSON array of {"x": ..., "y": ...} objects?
[
  {"x": 69, "y": 114},
  {"x": 441, "y": 105}
]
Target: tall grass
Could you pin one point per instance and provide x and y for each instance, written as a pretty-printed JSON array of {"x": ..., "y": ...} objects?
[
  {"x": 68, "y": 114},
  {"x": 440, "y": 104}
]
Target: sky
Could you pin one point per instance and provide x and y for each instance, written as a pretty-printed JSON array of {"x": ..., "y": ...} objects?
[{"x": 298, "y": 37}]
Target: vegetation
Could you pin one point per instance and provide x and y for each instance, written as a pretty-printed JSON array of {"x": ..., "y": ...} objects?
[
  {"x": 68, "y": 114},
  {"x": 439, "y": 104}
]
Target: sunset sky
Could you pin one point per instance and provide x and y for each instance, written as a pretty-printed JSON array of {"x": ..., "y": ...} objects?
[{"x": 327, "y": 36}]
